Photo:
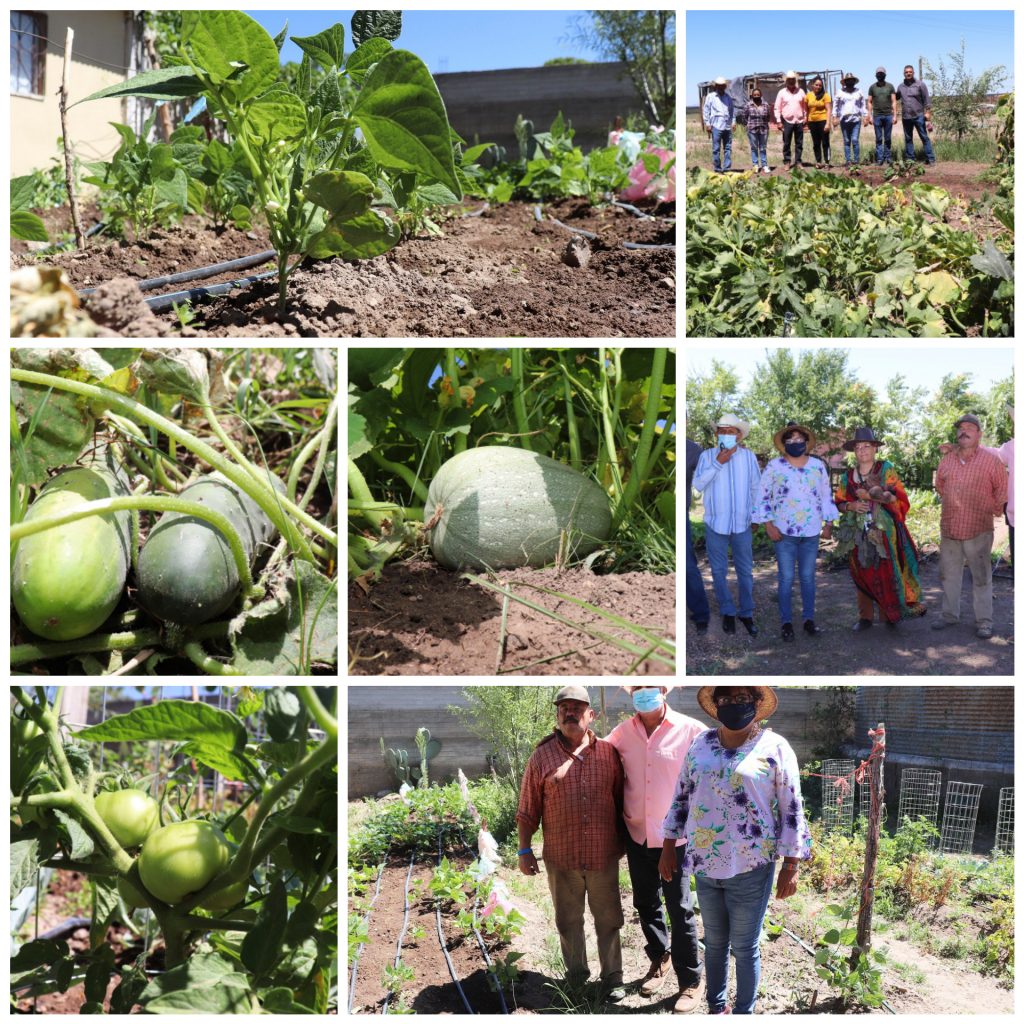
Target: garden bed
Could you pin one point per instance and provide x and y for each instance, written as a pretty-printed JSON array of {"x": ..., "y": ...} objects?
[
  {"x": 420, "y": 619},
  {"x": 498, "y": 274}
]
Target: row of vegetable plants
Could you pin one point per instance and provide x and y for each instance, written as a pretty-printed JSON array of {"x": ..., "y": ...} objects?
[{"x": 124, "y": 430}]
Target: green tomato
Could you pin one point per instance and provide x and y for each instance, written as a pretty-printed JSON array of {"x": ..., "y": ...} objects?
[
  {"x": 182, "y": 858},
  {"x": 130, "y": 814},
  {"x": 228, "y": 897},
  {"x": 23, "y": 730},
  {"x": 131, "y": 896}
]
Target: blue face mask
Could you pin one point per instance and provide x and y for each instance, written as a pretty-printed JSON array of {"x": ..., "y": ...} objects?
[
  {"x": 795, "y": 448},
  {"x": 727, "y": 440},
  {"x": 737, "y": 716},
  {"x": 648, "y": 700}
]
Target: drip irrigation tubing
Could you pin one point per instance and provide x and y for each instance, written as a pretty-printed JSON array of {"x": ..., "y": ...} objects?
[
  {"x": 444, "y": 945},
  {"x": 538, "y": 216},
  {"x": 810, "y": 949},
  {"x": 94, "y": 230},
  {"x": 359, "y": 948},
  {"x": 242, "y": 263},
  {"x": 405, "y": 925},
  {"x": 635, "y": 210}
]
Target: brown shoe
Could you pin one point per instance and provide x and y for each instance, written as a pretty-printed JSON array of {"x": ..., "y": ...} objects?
[
  {"x": 655, "y": 977},
  {"x": 689, "y": 998}
]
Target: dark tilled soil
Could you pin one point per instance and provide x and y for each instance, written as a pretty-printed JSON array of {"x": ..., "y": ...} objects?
[
  {"x": 911, "y": 648},
  {"x": 420, "y": 619},
  {"x": 501, "y": 274}
]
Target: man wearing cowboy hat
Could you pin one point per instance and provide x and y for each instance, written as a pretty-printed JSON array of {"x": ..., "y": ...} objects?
[
  {"x": 972, "y": 485},
  {"x": 652, "y": 745},
  {"x": 572, "y": 788},
  {"x": 849, "y": 111},
  {"x": 696, "y": 597},
  {"x": 728, "y": 476},
  {"x": 719, "y": 116},
  {"x": 791, "y": 116},
  {"x": 795, "y": 504}
]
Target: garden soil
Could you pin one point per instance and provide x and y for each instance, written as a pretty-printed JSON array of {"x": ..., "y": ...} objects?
[
  {"x": 911, "y": 648},
  {"x": 420, "y": 619},
  {"x": 500, "y": 274}
]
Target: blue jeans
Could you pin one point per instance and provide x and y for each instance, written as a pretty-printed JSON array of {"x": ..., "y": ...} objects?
[
  {"x": 742, "y": 544},
  {"x": 733, "y": 910},
  {"x": 883, "y": 138},
  {"x": 851, "y": 137},
  {"x": 696, "y": 598},
  {"x": 758, "y": 147},
  {"x": 792, "y": 553},
  {"x": 721, "y": 137},
  {"x": 909, "y": 124}
]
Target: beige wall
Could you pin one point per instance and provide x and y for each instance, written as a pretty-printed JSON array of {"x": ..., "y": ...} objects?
[{"x": 35, "y": 121}]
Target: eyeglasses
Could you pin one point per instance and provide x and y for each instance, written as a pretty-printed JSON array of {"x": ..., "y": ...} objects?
[{"x": 736, "y": 698}]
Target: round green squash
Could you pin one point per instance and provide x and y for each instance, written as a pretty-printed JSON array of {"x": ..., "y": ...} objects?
[
  {"x": 66, "y": 581},
  {"x": 500, "y": 507},
  {"x": 186, "y": 572}
]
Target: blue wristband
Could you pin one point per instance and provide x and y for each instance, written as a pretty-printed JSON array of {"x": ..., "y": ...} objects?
[{"x": 525, "y": 850}]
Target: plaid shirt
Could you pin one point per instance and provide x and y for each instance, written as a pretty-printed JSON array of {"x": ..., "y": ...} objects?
[
  {"x": 972, "y": 492},
  {"x": 577, "y": 799},
  {"x": 757, "y": 116}
]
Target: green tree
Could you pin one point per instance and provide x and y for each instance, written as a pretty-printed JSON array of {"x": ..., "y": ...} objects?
[
  {"x": 901, "y": 430},
  {"x": 708, "y": 397},
  {"x": 511, "y": 720},
  {"x": 646, "y": 42},
  {"x": 816, "y": 389},
  {"x": 957, "y": 94},
  {"x": 559, "y": 61},
  {"x": 997, "y": 424}
]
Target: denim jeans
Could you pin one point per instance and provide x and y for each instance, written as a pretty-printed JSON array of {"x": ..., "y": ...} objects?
[
  {"x": 648, "y": 887},
  {"x": 789, "y": 132},
  {"x": 883, "y": 138},
  {"x": 742, "y": 545},
  {"x": 851, "y": 137},
  {"x": 721, "y": 137},
  {"x": 758, "y": 146},
  {"x": 790, "y": 553},
  {"x": 696, "y": 598},
  {"x": 909, "y": 124},
  {"x": 732, "y": 910}
]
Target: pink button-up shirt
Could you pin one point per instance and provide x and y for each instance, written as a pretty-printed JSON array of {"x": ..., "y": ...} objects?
[
  {"x": 791, "y": 106},
  {"x": 651, "y": 765},
  {"x": 1005, "y": 455}
]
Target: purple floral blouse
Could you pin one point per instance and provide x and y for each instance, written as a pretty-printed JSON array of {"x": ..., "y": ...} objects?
[
  {"x": 796, "y": 499},
  {"x": 738, "y": 809}
]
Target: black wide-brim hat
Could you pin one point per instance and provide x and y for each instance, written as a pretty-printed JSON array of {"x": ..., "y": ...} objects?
[{"x": 860, "y": 436}]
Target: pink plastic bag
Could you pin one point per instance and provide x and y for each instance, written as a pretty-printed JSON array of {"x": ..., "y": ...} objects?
[{"x": 645, "y": 185}]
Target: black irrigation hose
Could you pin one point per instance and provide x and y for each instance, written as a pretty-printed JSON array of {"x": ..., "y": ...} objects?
[
  {"x": 94, "y": 230},
  {"x": 444, "y": 945},
  {"x": 635, "y": 210},
  {"x": 161, "y": 302},
  {"x": 405, "y": 925},
  {"x": 589, "y": 234},
  {"x": 359, "y": 948}
]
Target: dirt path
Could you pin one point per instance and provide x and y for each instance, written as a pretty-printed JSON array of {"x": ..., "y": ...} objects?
[
  {"x": 420, "y": 619},
  {"x": 912, "y": 648}
]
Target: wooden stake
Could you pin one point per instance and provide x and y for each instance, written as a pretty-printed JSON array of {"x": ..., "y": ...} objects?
[
  {"x": 867, "y": 888},
  {"x": 69, "y": 177}
]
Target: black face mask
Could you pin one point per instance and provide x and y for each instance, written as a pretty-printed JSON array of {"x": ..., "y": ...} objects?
[
  {"x": 880, "y": 78},
  {"x": 737, "y": 716},
  {"x": 796, "y": 448}
]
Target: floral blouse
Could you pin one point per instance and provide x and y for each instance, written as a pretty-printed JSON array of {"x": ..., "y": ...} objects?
[
  {"x": 738, "y": 809},
  {"x": 796, "y": 499}
]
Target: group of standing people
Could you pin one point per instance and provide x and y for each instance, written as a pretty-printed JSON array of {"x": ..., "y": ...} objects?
[
  {"x": 793, "y": 498},
  {"x": 795, "y": 110},
  {"x": 721, "y": 805}
]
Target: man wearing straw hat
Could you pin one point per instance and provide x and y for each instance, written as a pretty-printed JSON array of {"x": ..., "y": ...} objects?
[
  {"x": 652, "y": 745},
  {"x": 729, "y": 477},
  {"x": 572, "y": 787},
  {"x": 719, "y": 117}
]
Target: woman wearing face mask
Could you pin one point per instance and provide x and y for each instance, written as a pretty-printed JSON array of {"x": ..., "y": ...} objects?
[
  {"x": 819, "y": 121},
  {"x": 795, "y": 504},
  {"x": 758, "y": 114},
  {"x": 737, "y": 806}
]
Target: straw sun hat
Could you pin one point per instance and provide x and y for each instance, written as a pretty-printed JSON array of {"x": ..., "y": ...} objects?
[{"x": 767, "y": 706}]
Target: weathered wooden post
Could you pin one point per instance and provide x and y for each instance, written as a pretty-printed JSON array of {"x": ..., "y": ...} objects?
[
  {"x": 876, "y": 782},
  {"x": 69, "y": 176}
]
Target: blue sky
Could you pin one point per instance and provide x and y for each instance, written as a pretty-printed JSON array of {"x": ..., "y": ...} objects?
[
  {"x": 452, "y": 40},
  {"x": 877, "y": 366},
  {"x": 732, "y": 43}
]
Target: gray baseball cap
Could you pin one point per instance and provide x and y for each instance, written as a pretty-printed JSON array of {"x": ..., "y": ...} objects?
[{"x": 572, "y": 692}]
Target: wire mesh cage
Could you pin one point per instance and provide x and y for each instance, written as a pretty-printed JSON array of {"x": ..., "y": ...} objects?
[
  {"x": 920, "y": 790},
  {"x": 837, "y": 795},
  {"x": 1004, "y": 822},
  {"x": 960, "y": 816}
]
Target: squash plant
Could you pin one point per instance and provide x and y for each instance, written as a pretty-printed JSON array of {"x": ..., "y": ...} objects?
[
  {"x": 241, "y": 906},
  {"x": 236, "y": 558},
  {"x": 316, "y": 181}
]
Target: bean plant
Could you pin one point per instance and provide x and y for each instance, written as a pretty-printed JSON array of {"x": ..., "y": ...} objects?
[{"x": 316, "y": 179}]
